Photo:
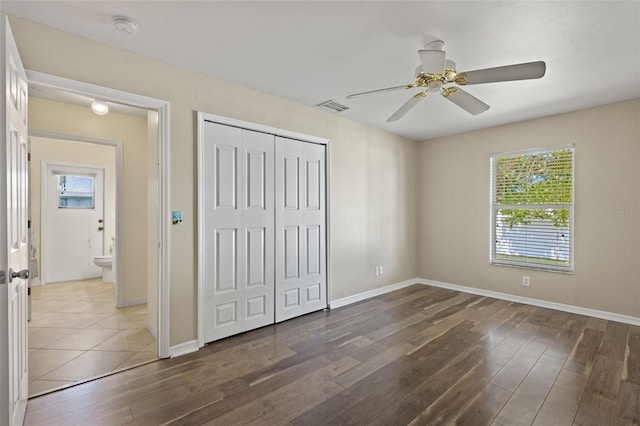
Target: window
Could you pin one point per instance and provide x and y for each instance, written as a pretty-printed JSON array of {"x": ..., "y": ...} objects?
[
  {"x": 532, "y": 209},
  {"x": 76, "y": 192}
]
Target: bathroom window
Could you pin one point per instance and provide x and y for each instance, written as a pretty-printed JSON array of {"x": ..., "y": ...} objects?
[{"x": 76, "y": 192}]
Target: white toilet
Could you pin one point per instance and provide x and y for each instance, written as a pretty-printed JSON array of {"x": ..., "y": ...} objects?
[{"x": 106, "y": 263}]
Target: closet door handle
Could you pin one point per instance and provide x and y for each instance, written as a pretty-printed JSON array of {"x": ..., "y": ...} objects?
[{"x": 100, "y": 228}]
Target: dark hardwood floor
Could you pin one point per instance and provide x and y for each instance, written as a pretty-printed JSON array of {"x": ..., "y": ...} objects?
[{"x": 421, "y": 355}]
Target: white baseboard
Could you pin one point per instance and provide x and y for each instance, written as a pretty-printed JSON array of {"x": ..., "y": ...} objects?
[
  {"x": 133, "y": 302},
  {"x": 152, "y": 330},
  {"x": 371, "y": 293},
  {"x": 611, "y": 316},
  {"x": 183, "y": 348}
]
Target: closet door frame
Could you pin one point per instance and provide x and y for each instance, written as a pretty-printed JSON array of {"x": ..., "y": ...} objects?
[{"x": 202, "y": 118}]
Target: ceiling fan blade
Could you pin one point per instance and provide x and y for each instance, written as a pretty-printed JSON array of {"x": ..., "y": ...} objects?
[
  {"x": 524, "y": 71},
  {"x": 406, "y": 107},
  {"x": 388, "y": 89},
  {"x": 432, "y": 61},
  {"x": 465, "y": 100}
]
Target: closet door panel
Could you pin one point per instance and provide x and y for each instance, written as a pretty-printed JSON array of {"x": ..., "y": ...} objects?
[
  {"x": 258, "y": 227},
  {"x": 223, "y": 232},
  {"x": 301, "y": 285},
  {"x": 238, "y": 230}
]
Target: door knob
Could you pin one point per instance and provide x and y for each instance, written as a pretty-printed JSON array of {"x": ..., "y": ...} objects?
[{"x": 24, "y": 274}]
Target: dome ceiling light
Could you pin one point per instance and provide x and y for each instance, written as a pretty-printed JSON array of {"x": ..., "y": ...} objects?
[{"x": 100, "y": 107}]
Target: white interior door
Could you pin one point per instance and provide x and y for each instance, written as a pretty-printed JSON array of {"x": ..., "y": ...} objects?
[
  {"x": 74, "y": 222},
  {"x": 237, "y": 228},
  {"x": 13, "y": 235},
  {"x": 301, "y": 277}
]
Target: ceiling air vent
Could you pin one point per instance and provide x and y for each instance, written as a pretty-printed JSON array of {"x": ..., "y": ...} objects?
[{"x": 333, "y": 106}]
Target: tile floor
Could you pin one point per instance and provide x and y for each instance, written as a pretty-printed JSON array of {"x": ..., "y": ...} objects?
[{"x": 76, "y": 333}]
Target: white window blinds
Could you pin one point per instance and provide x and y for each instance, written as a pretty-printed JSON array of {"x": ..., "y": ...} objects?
[{"x": 532, "y": 208}]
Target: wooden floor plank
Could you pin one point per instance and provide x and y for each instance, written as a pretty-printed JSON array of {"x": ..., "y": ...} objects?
[
  {"x": 284, "y": 396},
  {"x": 598, "y": 404},
  {"x": 401, "y": 372},
  {"x": 584, "y": 352},
  {"x": 614, "y": 342},
  {"x": 484, "y": 407},
  {"x": 631, "y": 365},
  {"x": 385, "y": 395},
  {"x": 446, "y": 408},
  {"x": 420, "y": 355},
  {"x": 400, "y": 413},
  {"x": 514, "y": 372},
  {"x": 373, "y": 364},
  {"x": 448, "y": 373},
  {"x": 628, "y": 404},
  {"x": 506, "y": 349},
  {"x": 523, "y": 406},
  {"x": 562, "y": 402}
]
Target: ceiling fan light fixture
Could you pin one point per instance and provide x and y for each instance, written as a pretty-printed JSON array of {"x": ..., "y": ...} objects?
[
  {"x": 435, "y": 86},
  {"x": 434, "y": 45},
  {"x": 436, "y": 71},
  {"x": 100, "y": 107},
  {"x": 125, "y": 25}
]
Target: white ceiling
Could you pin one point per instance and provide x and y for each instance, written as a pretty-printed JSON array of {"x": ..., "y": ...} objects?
[{"x": 310, "y": 52}]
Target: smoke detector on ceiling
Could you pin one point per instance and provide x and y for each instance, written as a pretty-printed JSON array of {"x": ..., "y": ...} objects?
[{"x": 125, "y": 25}]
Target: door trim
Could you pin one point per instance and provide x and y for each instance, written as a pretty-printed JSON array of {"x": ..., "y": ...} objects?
[
  {"x": 164, "y": 190},
  {"x": 203, "y": 117}
]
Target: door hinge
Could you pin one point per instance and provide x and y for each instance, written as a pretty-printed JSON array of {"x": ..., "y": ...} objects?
[
  {"x": 3, "y": 277},
  {"x": 28, "y": 156},
  {"x": 29, "y": 224}
]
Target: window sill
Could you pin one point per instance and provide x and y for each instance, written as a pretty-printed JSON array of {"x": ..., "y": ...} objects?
[{"x": 534, "y": 268}]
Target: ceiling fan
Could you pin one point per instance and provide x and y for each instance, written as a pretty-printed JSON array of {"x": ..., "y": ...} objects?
[{"x": 436, "y": 72}]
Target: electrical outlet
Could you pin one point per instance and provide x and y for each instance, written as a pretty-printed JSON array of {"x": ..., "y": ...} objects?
[
  {"x": 377, "y": 270},
  {"x": 381, "y": 270},
  {"x": 526, "y": 280}
]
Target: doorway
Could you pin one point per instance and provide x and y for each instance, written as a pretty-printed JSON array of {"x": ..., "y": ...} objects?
[
  {"x": 79, "y": 329},
  {"x": 74, "y": 227},
  {"x": 158, "y": 118},
  {"x": 129, "y": 332}
]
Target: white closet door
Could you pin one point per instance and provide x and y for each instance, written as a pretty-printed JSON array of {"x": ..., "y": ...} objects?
[
  {"x": 258, "y": 224},
  {"x": 238, "y": 230},
  {"x": 301, "y": 280}
]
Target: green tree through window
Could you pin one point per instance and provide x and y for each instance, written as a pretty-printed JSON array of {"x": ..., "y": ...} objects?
[{"x": 532, "y": 208}]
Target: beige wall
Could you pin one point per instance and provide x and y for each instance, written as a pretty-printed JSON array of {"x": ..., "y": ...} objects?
[
  {"x": 372, "y": 187},
  {"x": 45, "y": 115},
  {"x": 454, "y": 212}
]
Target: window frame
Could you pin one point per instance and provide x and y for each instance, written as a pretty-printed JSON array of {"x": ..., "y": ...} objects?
[
  {"x": 60, "y": 193},
  {"x": 494, "y": 208}
]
